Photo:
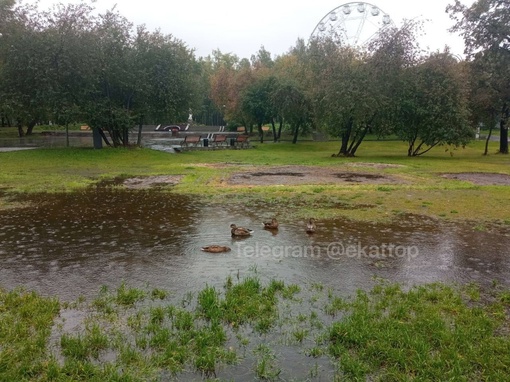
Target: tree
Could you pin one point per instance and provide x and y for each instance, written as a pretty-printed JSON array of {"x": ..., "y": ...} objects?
[
  {"x": 228, "y": 78},
  {"x": 67, "y": 59},
  {"x": 292, "y": 93},
  {"x": 24, "y": 84},
  {"x": 485, "y": 27},
  {"x": 6, "y": 23},
  {"x": 292, "y": 105},
  {"x": 257, "y": 103},
  {"x": 262, "y": 59},
  {"x": 483, "y": 95},
  {"x": 433, "y": 105},
  {"x": 66, "y": 64},
  {"x": 345, "y": 93}
]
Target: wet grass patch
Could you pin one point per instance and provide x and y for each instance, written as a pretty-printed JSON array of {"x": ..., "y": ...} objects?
[
  {"x": 428, "y": 332},
  {"x": 25, "y": 326},
  {"x": 431, "y": 332},
  {"x": 206, "y": 174},
  {"x": 136, "y": 333}
]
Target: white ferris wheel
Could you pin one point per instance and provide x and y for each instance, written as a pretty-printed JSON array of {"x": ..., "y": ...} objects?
[{"x": 354, "y": 23}]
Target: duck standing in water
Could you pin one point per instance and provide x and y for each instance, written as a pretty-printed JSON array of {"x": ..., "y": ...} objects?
[
  {"x": 239, "y": 231},
  {"x": 215, "y": 248},
  {"x": 310, "y": 226},
  {"x": 272, "y": 225}
]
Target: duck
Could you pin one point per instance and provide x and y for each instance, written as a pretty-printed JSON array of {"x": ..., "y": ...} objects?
[
  {"x": 240, "y": 231},
  {"x": 310, "y": 226},
  {"x": 215, "y": 248},
  {"x": 273, "y": 224}
]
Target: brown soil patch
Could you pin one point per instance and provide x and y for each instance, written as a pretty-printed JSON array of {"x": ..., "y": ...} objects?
[
  {"x": 152, "y": 181},
  {"x": 296, "y": 175},
  {"x": 480, "y": 178}
]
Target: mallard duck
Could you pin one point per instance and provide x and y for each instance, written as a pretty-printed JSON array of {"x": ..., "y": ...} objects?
[
  {"x": 215, "y": 248},
  {"x": 310, "y": 226},
  {"x": 273, "y": 224},
  {"x": 239, "y": 231}
]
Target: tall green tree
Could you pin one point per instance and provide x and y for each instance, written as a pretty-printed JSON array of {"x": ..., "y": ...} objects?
[
  {"x": 257, "y": 103},
  {"x": 434, "y": 105},
  {"x": 67, "y": 59},
  {"x": 291, "y": 104},
  {"x": 347, "y": 96},
  {"x": 6, "y": 23},
  {"x": 24, "y": 81},
  {"x": 485, "y": 27},
  {"x": 68, "y": 64}
]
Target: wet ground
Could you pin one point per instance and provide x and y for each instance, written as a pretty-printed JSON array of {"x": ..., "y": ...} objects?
[
  {"x": 70, "y": 245},
  {"x": 481, "y": 178},
  {"x": 37, "y": 140},
  {"x": 294, "y": 175}
]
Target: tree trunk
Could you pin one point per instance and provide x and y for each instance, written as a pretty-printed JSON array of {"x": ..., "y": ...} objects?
[
  {"x": 31, "y": 125},
  {"x": 412, "y": 142},
  {"x": 97, "y": 138},
  {"x": 67, "y": 134},
  {"x": 352, "y": 151},
  {"x": 21, "y": 133},
  {"x": 103, "y": 135},
  {"x": 296, "y": 133},
  {"x": 280, "y": 129},
  {"x": 503, "y": 136},
  {"x": 261, "y": 133},
  {"x": 487, "y": 141},
  {"x": 417, "y": 152},
  {"x": 139, "y": 138},
  {"x": 125, "y": 137},
  {"x": 275, "y": 137},
  {"x": 345, "y": 139},
  {"x": 410, "y": 148}
]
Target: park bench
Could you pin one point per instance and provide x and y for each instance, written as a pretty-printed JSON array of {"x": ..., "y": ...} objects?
[
  {"x": 242, "y": 140},
  {"x": 219, "y": 139},
  {"x": 193, "y": 140}
]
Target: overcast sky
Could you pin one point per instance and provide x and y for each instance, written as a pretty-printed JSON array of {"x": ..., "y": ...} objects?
[{"x": 242, "y": 27}]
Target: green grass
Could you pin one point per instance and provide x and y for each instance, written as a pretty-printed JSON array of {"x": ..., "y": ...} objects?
[
  {"x": 25, "y": 326},
  {"x": 421, "y": 189},
  {"x": 429, "y": 332}
]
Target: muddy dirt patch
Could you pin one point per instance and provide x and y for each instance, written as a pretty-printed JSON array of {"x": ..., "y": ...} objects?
[
  {"x": 152, "y": 181},
  {"x": 483, "y": 179},
  {"x": 296, "y": 175}
]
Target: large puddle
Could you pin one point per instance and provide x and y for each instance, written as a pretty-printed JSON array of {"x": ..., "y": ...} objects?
[
  {"x": 53, "y": 141},
  {"x": 69, "y": 245}
]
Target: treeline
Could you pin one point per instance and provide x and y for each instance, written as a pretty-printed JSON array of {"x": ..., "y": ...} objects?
[{"x": 72, "y": 64}]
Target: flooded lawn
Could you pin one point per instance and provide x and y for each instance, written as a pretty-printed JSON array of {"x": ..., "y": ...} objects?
[{"x": 70, "y": 245}]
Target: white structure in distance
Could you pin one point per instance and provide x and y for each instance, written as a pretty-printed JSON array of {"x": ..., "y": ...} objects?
[{"x": 355, "y": 23}]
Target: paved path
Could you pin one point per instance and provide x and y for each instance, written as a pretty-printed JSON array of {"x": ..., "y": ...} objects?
[{"x": 5, "y": 149}]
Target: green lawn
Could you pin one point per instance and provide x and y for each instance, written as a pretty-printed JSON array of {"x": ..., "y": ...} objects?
[
  {"x": 430, "y": 332},
  {"x": 422, "y": 189}
]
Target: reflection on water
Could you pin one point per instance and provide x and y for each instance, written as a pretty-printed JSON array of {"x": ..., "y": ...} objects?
[
  {"x": 54, "y": 141},
  {"x": 68, "y": 245}
]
